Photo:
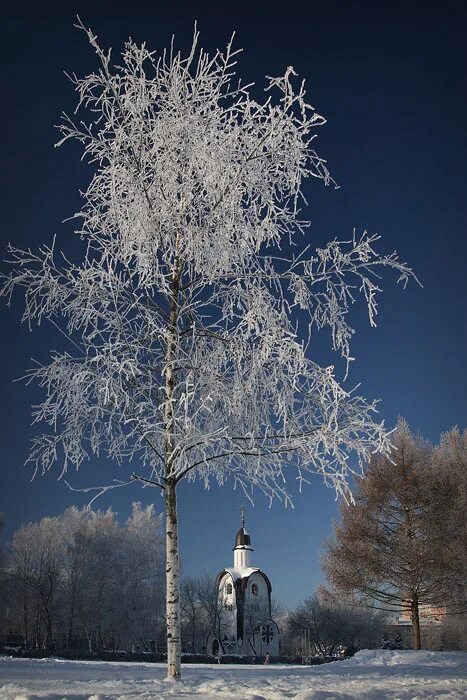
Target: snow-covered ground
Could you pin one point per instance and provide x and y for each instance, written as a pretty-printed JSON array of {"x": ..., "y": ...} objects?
[{"x": 375, "y": 675}]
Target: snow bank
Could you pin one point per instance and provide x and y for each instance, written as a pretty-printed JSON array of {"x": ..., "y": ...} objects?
[
  {"x": 385, "y": 657},
  {"x": 369, "y": 675}
]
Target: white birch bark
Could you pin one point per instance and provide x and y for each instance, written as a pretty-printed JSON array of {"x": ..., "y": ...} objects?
[
  {"x": 172, "y": 584},
  {"x": 174, "y": 650}
]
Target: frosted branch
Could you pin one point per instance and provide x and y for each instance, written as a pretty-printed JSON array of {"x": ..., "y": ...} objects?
[{"x": 182, "y": 309}]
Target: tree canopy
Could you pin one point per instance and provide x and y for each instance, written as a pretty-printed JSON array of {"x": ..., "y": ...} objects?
[{"x": 401, "y": 546}]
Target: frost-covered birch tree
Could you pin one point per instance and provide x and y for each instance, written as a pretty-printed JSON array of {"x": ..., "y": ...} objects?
[{"x": 191, "y": 309}]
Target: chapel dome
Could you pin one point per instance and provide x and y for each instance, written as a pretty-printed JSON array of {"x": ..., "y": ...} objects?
[{"x": 242, "y": 538}]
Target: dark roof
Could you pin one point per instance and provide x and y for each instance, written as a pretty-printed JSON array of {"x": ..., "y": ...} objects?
[{"x": 242, "y": 538}]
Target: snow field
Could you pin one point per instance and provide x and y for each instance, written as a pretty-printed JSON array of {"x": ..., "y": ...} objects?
[{"x": 373, "y": 675}]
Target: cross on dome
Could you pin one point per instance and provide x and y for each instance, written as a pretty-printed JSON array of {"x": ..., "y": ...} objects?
[{"x": 242, "y": 546}]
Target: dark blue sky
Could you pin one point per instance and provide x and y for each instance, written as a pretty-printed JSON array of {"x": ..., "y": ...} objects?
[{"x": 390, "y": 78}]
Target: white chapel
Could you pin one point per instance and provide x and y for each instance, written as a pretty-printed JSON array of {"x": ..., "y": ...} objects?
[{"x": 245, "y": 626}]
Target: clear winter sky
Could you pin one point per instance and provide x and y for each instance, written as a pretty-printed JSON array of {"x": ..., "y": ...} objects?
[{"x": 390, "y": 78}]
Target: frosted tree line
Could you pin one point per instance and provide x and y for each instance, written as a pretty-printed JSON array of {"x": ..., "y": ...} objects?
[
  {"x": 83, "y": 582},
  {"x": 190, "y": 312}
]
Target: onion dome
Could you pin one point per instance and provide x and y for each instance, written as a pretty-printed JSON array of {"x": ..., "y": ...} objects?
[{"x": 242, "y": 538}]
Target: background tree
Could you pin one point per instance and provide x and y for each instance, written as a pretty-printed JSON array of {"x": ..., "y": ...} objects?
[
  {"x": 188, "y": 323},
  {"x": 194, "y": 619},
  {"x": 4, "y": 592},
  {"x": 143, "y": 576},
  {"x": 214, "y": 608},
  {"x": 81, "y": 580},
  {"x": 450, "y": 463},
  {"x": 2, "y": 525},
  {"x": 203, "y": 612},
  {"x": 73, "y": 522},
  {"x": 449, "y": 493},
  {"x": 323, "y": 625},
  {"x": 36, "y": 561},
  {"x": 399, "y": 546}
]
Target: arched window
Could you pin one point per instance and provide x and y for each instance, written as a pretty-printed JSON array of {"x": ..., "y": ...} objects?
[
  {"x": 254, "y": 589},
  {"x": 229, "y": 589}
]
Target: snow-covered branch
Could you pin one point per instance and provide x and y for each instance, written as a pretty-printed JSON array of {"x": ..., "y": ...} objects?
[{"x": 182, "y": 311}]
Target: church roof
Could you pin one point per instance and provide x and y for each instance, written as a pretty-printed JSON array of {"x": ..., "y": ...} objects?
[
  {"x": 242, "y": 538},
  {"x": 243, "y": 572}
]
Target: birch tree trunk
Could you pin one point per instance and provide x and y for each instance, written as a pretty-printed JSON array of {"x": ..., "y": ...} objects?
[
  {"x": 173, "y": 583},
  {"x": 171, "y": 526}
]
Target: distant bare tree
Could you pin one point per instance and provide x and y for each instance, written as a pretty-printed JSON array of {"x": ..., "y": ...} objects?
[
  {"x": 453, "y": 632},
  {"x": 3, "y": 586},
  {"x": 141, "y": 591},
  {"x": 322, "y": 624},
  {"x": 449, "y": 492},
  {"x": 36, "y": 566},
  {"x": 2, "y": 524},
  {"x": 398, "y": 546},
  {"x": 73, "y": 521},
  {"x": 213, "y": 606},
  {"x": 193, "y": 614}
]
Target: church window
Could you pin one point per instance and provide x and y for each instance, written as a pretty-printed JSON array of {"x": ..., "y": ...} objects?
[
  {"x": 229, "y": 589},
  {"x": 254, "y": 589}
]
